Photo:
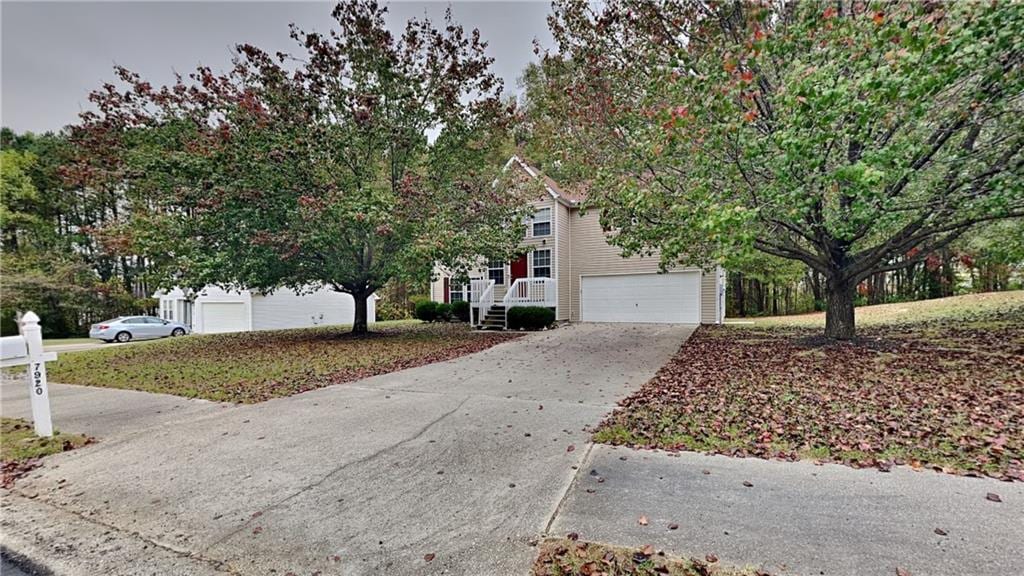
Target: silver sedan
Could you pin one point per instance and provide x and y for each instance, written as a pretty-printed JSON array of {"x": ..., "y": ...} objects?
[{"x": 128, "y": 328}]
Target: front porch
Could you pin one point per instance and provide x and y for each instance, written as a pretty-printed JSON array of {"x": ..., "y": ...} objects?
[{"x": 487, "y": 310}]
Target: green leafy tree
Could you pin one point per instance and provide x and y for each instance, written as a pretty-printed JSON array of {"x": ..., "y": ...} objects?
[
  {"x": 313, "y": 170},
  {"x": 19, "y": 222},
  {"x": 994, "y": 256},
  {"x": 844, "y": 135}
]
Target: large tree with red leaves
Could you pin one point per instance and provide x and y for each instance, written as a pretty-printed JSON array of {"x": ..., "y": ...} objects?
[
  {"x": 853, "y": 136},
  {"x": 315, "y": 169}
]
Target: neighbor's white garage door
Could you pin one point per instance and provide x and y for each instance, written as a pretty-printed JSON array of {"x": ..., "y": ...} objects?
[
  {"x": 223, "y": 317},
  {"x": 672, "y": 298}
]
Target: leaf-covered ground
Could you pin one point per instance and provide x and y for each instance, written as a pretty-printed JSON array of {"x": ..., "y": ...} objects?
[
  {"x": 572, "y": 557},
  {"x": 21, "y": 449},
  {"x": 256, "y": 366},
  {"x": 942, "y": 391}
]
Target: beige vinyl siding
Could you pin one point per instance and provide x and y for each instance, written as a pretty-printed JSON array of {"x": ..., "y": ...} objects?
[
  {"x": 709, "y": 297},
  {"x": 563, "y": 255},
  {"x": 542, "y": 241},
  {"x": 440, "y": 273},
  {"x": 594, "y": 256}
]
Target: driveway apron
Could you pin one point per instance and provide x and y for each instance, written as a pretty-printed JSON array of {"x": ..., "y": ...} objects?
[{"x": 453, "y": 468}]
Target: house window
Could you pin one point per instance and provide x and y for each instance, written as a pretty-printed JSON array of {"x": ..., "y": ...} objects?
[
  {"x": 541, "y": 264},
  {"x": 496, "y": 272},
  {"x": 457, "y": 293},
  {"x": 541, "y": 222}
]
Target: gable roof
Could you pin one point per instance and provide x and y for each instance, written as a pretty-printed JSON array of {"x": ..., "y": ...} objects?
[{"x": 550, "y": 186}]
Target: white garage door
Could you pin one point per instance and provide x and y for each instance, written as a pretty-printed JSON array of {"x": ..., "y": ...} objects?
[
  {"x": 223, "y": 317},
  {"x": 672, "y": 298}
]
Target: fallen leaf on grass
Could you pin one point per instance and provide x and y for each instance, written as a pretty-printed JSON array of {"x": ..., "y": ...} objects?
[{"x": 749, "y": 392}]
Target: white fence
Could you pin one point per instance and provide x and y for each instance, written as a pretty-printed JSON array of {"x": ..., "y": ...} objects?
[{"x": 26, "y": 349}]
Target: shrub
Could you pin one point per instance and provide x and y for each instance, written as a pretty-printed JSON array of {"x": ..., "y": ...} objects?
[
  {"x": 426, "y": 311},
  {"x": 460, "y": 310},
  {"x": 388, "y": 310},
  {"x": 444, "y": 312},
  {"x": 530, "y": 317}
]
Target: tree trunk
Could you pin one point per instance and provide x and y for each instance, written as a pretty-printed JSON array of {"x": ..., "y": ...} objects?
[
  {"x": 741, "y": 297},
  {"x": 839, "y": 322},
  {"x": 815, "y": 281},
  {"x": 359, "y": 324}
]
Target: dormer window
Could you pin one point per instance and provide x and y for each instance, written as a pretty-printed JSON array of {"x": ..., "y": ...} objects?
[{"x": 541, "y": 223}]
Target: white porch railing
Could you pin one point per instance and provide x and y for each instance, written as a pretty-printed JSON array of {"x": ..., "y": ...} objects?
[
  {"x": 532, "y": 292},
  {"x": 481, "y": 297},
  {"x": 486, "y": 301},
  {"x": 476, "y": 289}
]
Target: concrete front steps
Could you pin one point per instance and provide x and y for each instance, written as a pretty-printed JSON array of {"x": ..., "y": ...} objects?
[{"x": 495, "y": 319}]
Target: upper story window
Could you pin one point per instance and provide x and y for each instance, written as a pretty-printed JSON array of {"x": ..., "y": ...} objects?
[
  {"x": 496, "y": 272},
  {"x": 541, "y": 223},
  {"x": 541, "y": 264}
]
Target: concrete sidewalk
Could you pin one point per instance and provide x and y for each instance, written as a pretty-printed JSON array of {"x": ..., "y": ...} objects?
[
  {"x": 464, "y": 460},
  {"x": 796, "y": 517},
  {"x": 103, "y": 412}
]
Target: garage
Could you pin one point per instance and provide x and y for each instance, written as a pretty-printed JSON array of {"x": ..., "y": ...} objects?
[
  {"x": 671, "y": 298},
  {"x": 223, "y": 317}
]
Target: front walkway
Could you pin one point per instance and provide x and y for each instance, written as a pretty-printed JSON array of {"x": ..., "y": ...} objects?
[
  {"x": 797, "y": 517},
  {"x": 464, "y": 460}
]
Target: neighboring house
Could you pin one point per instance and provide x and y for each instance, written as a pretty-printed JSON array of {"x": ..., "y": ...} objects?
[
  {"x": 214, "y": 310},
  {"x": 571, "y": 268}
]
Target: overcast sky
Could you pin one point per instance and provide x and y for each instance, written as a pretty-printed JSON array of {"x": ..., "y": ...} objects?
[{"x": 54, "y": 53}]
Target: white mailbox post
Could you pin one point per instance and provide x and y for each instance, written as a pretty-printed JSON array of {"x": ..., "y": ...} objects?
[{"x": 26, "y": 349}]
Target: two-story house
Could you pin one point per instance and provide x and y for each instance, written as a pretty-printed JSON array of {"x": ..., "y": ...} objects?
[{"x": 569, "y": 266}]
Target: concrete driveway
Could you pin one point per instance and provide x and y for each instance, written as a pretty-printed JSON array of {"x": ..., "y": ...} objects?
[
  {"x": 102, "y": 412},
  {"x": 451, "y": 468}
]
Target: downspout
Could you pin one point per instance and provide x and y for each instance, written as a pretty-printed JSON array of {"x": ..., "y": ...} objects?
[{"x": 554, "y": 259}]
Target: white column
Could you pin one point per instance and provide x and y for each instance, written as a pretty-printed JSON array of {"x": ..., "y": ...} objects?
[{"x": 38, "y": 391}]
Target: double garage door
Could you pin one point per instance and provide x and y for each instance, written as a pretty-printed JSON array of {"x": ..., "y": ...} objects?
[{"x": 671, "y": 298}]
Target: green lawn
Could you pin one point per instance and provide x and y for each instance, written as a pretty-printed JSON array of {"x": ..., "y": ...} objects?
[
  {"x": 18, "y": 441},
  {"x": 572, "y": 557},
  {"x": 940, "y": 310},
  {"x": 20, "y": 448},
  {"x": 937, "y": 384},
  {"x": 256, "y": 366}
]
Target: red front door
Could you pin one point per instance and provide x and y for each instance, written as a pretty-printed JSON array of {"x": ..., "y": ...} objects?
[{"x": 519, "y": 269}]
